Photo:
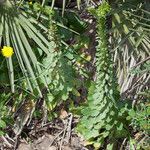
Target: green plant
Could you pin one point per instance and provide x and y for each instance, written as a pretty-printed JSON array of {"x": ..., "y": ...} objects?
[
  {"x": 141, "y": 69},
  {"x": 59, "y": 69},
  {"x": 139, "y": 123},
  {"x": 45, "y": 68},
  {"x": 140, "y": 117},
  {"x": 17, "y": 31},
  {"x": 100, "y": 118},
  {"x": 39, "y": 66},
  {"x": 4, "y": 111}
]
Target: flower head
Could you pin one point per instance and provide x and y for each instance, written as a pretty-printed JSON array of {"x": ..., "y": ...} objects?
[
  {"x": 7, "y": 51},
  {"x": 30, "y": 3}
]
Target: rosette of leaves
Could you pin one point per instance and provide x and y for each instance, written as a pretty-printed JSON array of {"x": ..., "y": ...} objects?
[{"x": 100, "y": 115}]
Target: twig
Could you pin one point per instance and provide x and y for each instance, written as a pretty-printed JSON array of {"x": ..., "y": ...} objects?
[
  {"x": 44, "y": 109},
  {"x": 56, "y": 137},
  {"x": 16, "y": 142},
  {"x": 123, "y": 144},
  {"x": 148, "y": 58},
  {"x": 6, "y": 142},
  {"x": 61, "y": 142},
  {"x": 69, "y": 128},
  {"x": 7, "y": 136},
  {"x": 49, "y": 126}
]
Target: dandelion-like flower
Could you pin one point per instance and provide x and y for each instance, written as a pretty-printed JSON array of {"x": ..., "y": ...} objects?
[
  {"x": 30, "y": 3},
  {"x": 7, "y": 51}
]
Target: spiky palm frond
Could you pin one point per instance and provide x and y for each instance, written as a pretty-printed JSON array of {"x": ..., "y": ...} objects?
[
  {"x": 38, "y": 63},
  {"x": 17, "y": 31}
]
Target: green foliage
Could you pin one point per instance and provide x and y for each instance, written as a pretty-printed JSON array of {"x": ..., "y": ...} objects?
[
  {"x": 142, "y": 145},
  {"x": 100, "y": 116},
  {"x": 139, "y": 122},
  {"x": 103, "y": 10},
  {"x": 145, "y": 68},
  {"x": 59, "y": 70},
  {"x": 19, "y": 32},
  {"x": 74, "y": 22},
  {"x": 140, "y": 117},
  {"x": 4, "y": 112},
  {"x": 39, "y": 56},
  {"x": 39, "y": 66},
  {"x": 45, "y": 67}
]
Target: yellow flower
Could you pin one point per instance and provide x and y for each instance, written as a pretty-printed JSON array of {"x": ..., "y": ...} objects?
[
  {"x": 7, "y": 51},
  {"x": 30, "y": 3}
]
